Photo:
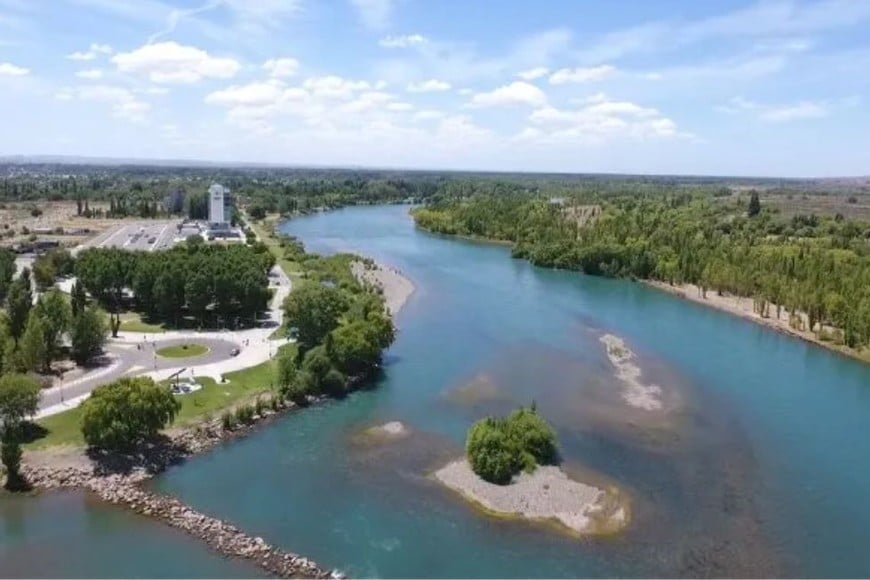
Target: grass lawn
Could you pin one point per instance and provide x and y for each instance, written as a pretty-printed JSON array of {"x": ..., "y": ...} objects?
[
  {"x": 182, "y": 350},
  {"x": 211, "y": 400},
  {"x": 132, "y": 322},
  {"x": 291, "y": 268}
]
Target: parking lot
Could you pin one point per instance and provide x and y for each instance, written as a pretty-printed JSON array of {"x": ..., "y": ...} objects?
[{"x": 146, "y": 236}]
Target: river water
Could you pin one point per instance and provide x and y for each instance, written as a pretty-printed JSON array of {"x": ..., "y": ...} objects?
[{"x": 753, "y": 467}]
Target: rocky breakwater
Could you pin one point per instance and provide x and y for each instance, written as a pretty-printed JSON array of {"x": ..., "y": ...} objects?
[{"x": 117, "y": 480}]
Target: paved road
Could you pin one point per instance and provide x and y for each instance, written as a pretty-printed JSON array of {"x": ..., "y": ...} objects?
[{"x": 125, "y": 359}]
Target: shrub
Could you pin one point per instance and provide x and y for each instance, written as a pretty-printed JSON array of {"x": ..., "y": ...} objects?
[
  {"x": 245, "y": 414},
  {"x": 275, "y": 403},
  {"x": 228, "y": 421},
  {"x": 497, "y": 448},
  {"x": 260, "y": 406}
]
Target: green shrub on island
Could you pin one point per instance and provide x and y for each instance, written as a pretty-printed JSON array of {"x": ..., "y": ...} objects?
[
  {"x": 118, "y": 415},
  {"x": 499, "y": 448}
]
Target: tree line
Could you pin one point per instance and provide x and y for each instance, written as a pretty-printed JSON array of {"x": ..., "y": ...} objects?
[
  {"x": 192, "y": 284},
  {"x": 817, "y": 266}
]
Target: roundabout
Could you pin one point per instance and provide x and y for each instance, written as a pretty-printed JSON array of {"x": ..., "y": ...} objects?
[{"x": 185, "y": 350}]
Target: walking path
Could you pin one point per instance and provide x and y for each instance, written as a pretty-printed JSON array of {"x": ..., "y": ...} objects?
[{"x": 133, "y": 354}]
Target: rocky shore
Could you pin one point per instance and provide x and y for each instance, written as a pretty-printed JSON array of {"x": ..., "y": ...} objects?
[
  {"x": 395, "y": 288},
  {"x": 116, "y": 479},
  {"x": 547, "y": 494}
]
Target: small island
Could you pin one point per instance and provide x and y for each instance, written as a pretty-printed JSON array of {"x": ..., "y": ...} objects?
[{"x": 510, "y": 470}]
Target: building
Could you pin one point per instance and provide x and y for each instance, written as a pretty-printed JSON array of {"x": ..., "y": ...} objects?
[{"x": 220, "y": 206}]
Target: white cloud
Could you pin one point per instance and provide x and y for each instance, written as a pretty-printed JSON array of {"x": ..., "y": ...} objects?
[
  {"x": 170, "y": 62},
  {"x": 599, "y": 120},
  {"x": 405, "y": 41},
  {"x": 251, "y": 95},
  {"x": 465, "y": 92},
  {"x": 533, "y": 73},
  {"x": 335, "y": 87},
  {"x": 430, "y": 86},
  {"x": 581, "y": 75},
  {"x": 516, "y": 93},
  {"x": 400, "y": 107},
  {"x": 375, "y": 14},
  {"x": 281, "y": 67},
  {"x": 124, "y": 103},
  {"x": 779, "y": 113},
  {"x": 157, "y": 90},
  {"x": 428, "y": 115},
  {"x": 90, "y": 74},
  {"x": 9, "y": 69},
  {"x": 93, "y": 52}
]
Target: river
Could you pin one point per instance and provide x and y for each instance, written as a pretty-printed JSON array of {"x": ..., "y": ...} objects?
[{"x": 755, "y": 467}]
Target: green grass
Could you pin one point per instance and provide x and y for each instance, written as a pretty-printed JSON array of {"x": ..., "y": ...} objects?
[
  {"x": 132, "y": 322},
  {"x": 210, "y": 401},
  {"x": 292, "y": 268},
  {"x": 183, "y": 350}
]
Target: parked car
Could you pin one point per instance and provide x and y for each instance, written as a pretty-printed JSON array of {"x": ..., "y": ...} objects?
[{"x": 234, "y": 352}]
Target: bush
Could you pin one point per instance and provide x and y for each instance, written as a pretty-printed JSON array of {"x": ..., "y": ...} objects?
[
  {"x": 228, "y": 421},
  {"x": 119, "y": 415},
  {"x": 245, "y": 414},
  {"x": 498, "y": 449},
  {"x": 260, "y": 406}
]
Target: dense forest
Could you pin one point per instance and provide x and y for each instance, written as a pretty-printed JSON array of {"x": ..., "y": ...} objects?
[{"x": 819, "y": 266}]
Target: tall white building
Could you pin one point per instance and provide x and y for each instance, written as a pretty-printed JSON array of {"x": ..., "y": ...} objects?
[{"x": 218, "y": 198}]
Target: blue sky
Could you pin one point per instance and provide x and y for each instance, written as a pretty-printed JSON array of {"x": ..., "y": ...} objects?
[{"x": 777, "y": 87}]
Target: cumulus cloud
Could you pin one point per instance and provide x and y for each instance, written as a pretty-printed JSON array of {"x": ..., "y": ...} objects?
[
  {"x": 123, "y": 102},
  {"x": 581, "y": 74},
  {"x": 405, "y": 41},
  {"x": 90, "y": 74},
  {"x": 778, "y": 113},
  {"x": 170, "y": 62},
  {"x": 11, "y": 70},
  {"x": 598, "y": 120},
  {"x": 533, "y": 73},
  {"x": 93, "y": 52},
  {"x": 281, "y": 67},
  {"x": 430, "y": 86},
  {"x": 516, "y": 93},
  {"x": 334, "y": 87}
]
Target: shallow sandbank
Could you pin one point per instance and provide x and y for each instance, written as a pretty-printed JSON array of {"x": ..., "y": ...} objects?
[
  {"x": 547, "y": 494},
  {"x": 395, "y": 288}
]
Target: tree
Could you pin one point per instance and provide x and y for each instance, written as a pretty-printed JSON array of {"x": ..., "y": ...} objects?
[
  {"x": 353, "y": 348},
  {"x": 754, "y": 205},
  {"x": 19, "y": 399},
  {"x": 497, "y": 449},
  {"x": 7, "y": 272},
  {"x": 119, "y": 415},
  {"x": 312, "y": 312},
  {"x": 32, "y": 347},
  {"x": 19, "y": 304},
  {"x": 78, "y": 299},
  {"x": 198, "y": 295},
  {"x": 44, "y": 272},
  {"x": 55, "y": 312},
  {"x": 10, "y": 455},
  {"x": 88, "y": 335}
]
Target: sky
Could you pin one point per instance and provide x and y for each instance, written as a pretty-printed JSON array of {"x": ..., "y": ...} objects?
[{"x": 719, "y": 87}]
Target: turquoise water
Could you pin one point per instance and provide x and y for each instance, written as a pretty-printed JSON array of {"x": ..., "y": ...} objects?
[
  {"x": 757, "y": 469},
  {"x": 72, "y": 535}
]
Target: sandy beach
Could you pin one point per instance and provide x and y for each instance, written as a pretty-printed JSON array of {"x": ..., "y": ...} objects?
[
  {"x": 546, "y": 494},
  {"x": 396, "y": 288},
  {"x": 743, "y": 307},
  {"x": 637, "y": 394}
]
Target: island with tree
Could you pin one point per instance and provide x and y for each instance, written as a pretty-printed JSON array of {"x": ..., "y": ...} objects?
[{"x": 511, "y": 470}]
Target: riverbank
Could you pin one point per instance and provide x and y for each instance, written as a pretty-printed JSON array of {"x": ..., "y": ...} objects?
[
  {"x": 392, "y": 285},
  {"x": 744, "y": 308},
  {"x": 118, "y": 480},
  {"x": 547, "y": 494}
]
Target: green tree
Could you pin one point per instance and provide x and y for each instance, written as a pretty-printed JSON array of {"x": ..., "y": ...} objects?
[
  {"x": 78, "y": 299},
  {"x": 19, "y": 304},
  {"x": 19, "y": 399},
  {"x": 44, "y": 272},
  {"x": 312, "y": 311},
  {"x": 32, "y": 350},
  {"x": 88, "y": 335},
  {"x": 119, "y": 415},
  {"x": 754, "y": 207},
  {"x": 55, "y": 312},
  {"x": 10, "y": 455},
  {"x": 497, "y": 449},
  {"x": 7, "y": 272},
  {"x": 198, "y": 295}
]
